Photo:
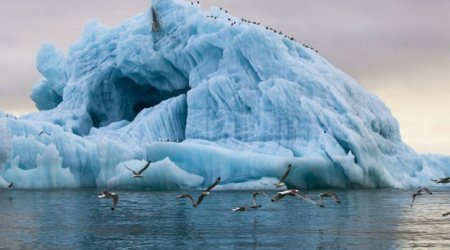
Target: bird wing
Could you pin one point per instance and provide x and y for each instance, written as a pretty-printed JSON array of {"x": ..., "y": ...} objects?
[
  {"x": 256, "y": 194},
  {"x": 285, "y": 174},
  {"x": 213, "y": 185},
  {"x": 186, "y": 196},
  {"x": 414, "y": 197},
  {"x": 278, "y": 196},
  {"x": 307, "y": 198},
  {"x": 334, "y": 195},
  {"x": 144, "y": 168},
  {"x": 254, "y": 198},
  {"x": 241, "y": 209},
  {"x": 115, "y": 199},
  {"x": 134, "y": 172},
  {"x": 426, "y": 190},
  {"x": 199, "y": 200}
]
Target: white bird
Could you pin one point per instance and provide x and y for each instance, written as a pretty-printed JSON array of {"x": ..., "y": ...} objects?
[
  {"x": 442, "y": 180},
  {"x": 113, "y": 196},
  {"x": 281, "y": 181},
  {"x": 331, "y": 195},
  {"x": 421, "y": 191},
  {"x": 139, "y": 173},
  {"x": 254, "y": 205},
  {"x": 295, "y": 192},
  {"x": 202, "y": 195}
]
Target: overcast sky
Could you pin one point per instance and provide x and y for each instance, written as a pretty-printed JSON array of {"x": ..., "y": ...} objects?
[{"x": 398, "y": 50}]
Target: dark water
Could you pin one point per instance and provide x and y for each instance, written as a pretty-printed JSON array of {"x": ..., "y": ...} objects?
[{"x": 77, "y": 219}]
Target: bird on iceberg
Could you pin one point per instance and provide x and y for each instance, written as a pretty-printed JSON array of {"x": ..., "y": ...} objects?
[
  {"x": 254, "y": 205},
  {"x": 442, "y": 180},
  {"x": 281, "y": 181},
  {"x": 139, "y": 173},
  {"x": 421, "y": 191},
  {"x": 202, "y": 195},
  {"x": 113, "y": 196},
  {"x": 295, "y": 192},
  {"x": 331, "y": 195}
]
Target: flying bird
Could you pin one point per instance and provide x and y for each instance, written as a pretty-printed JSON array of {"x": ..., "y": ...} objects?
[
  {"x": 113, "y": 196},
  {"x": 139, "y": 173},
  {"x": 240, "y": 209},
  {"x": 446, "y": 214},
  {"x": 11, "y": 185},
  {"x": 202, "y": 195},
  {"x": 254, "y": 205},
  {"x": 295, "y": 192},
  {"x": 421, "y": 191},
  {"x": 442, "y": 180},
  {"x": 43, "y": 132},
  {"x": 331, "y": 195},
  {"x": 281, "y": 181}
]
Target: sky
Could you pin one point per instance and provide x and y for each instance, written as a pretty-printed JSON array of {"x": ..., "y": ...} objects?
[{"x": 398, "y": 50}]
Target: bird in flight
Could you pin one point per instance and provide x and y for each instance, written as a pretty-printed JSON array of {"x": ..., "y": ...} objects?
[
  {"x": 254, "y": 205},
  {"x": 139, "y": 173},
  {"x": 202, "y": 195},
  {"x": 420, "y": 192},
  {"x": 330, "y": 195},
  {"x": 281, "y": 181},
  {"x": 113, "y": 196},
  {"x": 43, "y": 132},
  {"x": 295, "y": 192},
  {"x": 442, "y": 180}
]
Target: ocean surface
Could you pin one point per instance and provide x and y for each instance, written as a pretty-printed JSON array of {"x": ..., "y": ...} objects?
[{"x": 78, "y": 219}]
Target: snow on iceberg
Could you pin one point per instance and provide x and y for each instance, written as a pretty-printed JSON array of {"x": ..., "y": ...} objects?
[{"x": 243, "y": 101}]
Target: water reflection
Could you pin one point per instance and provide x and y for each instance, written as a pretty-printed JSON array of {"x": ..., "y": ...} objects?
[{"x": 78, "y": 219}]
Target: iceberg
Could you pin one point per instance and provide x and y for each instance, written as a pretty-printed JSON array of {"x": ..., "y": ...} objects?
[{"x": 202, "y": 94}]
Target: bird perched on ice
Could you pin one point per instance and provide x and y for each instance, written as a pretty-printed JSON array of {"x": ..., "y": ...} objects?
[
  {"x": 330, "y": 195},
  {"x": 202, "y": 195},
  {"x": 419, "y": 192},
  {"x": 442, "y": 180},
  {"x": 254, "y": 205},
  {"x": 113, "y": 196},
  {"x": 295, "y": 192},
  {"x": 281, "y": 181},
  {"x": 139, "y": 173}
]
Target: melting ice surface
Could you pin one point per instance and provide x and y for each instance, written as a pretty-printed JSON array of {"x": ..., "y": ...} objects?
[{"x": 244, "y": 102}]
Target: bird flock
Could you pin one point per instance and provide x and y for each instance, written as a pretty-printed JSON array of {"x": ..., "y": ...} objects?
[
  {"x": 246, "y": 21},
  {"x": 278, "y": 196},
  {"x": 196, "y": 202},
  {"x": 424, "y": 191},
  {"x": 255, "y": 205}
]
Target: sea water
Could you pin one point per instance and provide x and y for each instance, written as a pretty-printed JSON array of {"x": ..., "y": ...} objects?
[{"x": 78, "y": 219}]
